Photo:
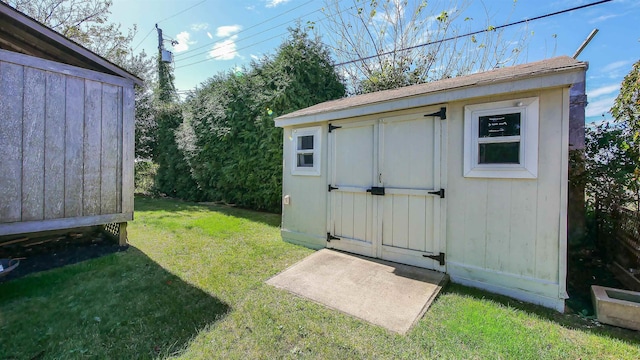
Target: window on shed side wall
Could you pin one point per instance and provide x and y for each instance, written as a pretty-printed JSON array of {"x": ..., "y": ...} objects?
[
  {"x": 306, "y": 151},
  {"x": 501, "y": 139}
]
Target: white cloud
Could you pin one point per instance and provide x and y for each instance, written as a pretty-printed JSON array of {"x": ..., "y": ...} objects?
[
  {"x": 183, "y": 42},
  {"x": 274, "y": 3},
  {"x": 615, "y": 66},
  {"x": 251, "y": 7},
  {"x": 225, "y": 50},
  {"x": 599, "y": 107},
  {"x": 228, "y": 30},
  {"x": 603, "y": 90},
  {"x": 209, "y": 35},
  {"x": 602, "y": 18},
  {"x": 199, "y": 26},
  {"x": 255, "y": 57}
]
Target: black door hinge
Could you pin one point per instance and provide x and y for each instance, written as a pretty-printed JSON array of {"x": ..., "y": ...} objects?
[
  {"x": 375, "y": 190},
  {"x": 442, "y": 114},
  {"x": 439, "y": 258},
  {"x": 332, "y": 188},
  {"x": 331, "y": 237},
  {"x": 439, "y": 192},
  {"x": 333, "y": 127}
]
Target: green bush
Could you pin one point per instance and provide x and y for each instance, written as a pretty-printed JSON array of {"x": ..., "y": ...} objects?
[
  {"x": 144, "y": 179},
  {"x": 233, "y": 150},
  {"x": 173, "y": 177}
]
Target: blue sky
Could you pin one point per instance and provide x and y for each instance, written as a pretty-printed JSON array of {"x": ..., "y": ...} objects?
[{"x": 219, "y": 35}]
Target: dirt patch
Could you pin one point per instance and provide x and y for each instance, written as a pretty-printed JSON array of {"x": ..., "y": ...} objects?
[
  {"x": 586, "y": 267},
  {"x": 45, "y": 253}
]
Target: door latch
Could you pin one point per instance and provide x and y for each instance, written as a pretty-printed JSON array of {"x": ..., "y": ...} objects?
[
  {"x": 439, "y": 193},
  {"x": 376, "y": 190}
]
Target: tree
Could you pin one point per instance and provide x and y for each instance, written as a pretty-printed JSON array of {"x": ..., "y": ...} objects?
[
  {"x": 612, "y": 163},
  {"x": 626, "y": 108},
  {"x": 174, "y": 175},
  {"x": 370, "y": 35},
  {"x": 611, "y": 166},
  {"x": 83, "y": 21},
  {"x": 228, "y": 136}
]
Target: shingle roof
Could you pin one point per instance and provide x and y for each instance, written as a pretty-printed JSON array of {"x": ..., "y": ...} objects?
[
  {"x": 23, "y": 34},
  {"x": 539, "y": 68}
]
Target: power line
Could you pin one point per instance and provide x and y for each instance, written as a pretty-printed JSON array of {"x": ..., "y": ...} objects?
[
  {"x": 420, "y": 45},
  {"x": 247, "y": 29},
  {"x": 183, "y": 11},
  {"x": 245, "y": 38},
  {"x": 230, "y": 52},
  {"x": 475, "y": 32},
  {"x": 248, "y": 46},
  {"x": 167, "y": 18},
  {"x": 145, "y": 38}
]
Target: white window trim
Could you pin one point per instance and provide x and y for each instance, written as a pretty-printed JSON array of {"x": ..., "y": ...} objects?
[
  {"x": 529, "y": 120},
  {"x": 315, "y": 131}
]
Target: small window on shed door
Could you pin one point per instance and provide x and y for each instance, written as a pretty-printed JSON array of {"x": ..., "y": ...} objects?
[{"x": 306, "y": 151}]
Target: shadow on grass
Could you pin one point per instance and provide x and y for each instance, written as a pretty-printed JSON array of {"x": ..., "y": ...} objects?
[
  {"x": 567, "y": 320},
  {"x": 122, "y": 305},
  {"x": 175, "y": 205}
]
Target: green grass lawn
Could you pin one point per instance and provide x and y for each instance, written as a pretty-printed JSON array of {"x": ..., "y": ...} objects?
[{"x": 192, "y": 286}]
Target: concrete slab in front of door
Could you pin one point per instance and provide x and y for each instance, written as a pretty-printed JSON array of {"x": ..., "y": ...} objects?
[{"x": 387, "y": 294}]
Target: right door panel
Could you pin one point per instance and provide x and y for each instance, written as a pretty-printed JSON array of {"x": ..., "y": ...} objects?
[{"x": 409, "y": 163}]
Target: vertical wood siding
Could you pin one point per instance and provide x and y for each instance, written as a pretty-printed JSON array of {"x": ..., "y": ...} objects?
[
  {"x": 111, "y": 101},
  {"x": 92, "y": 147},
  {"x": 61, "y": 145},
  {"x": 509, "y": 226},
  {"x": 11, "y": 100},
  {"x": 54, "y": 146},
  {"x": 33, "y": 144},
  {"x": 127, "y": 150},
  {"x": 74, "y": 147}
]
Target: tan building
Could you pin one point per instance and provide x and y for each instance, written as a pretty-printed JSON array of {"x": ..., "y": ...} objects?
[{"x": 466, "y": 176}]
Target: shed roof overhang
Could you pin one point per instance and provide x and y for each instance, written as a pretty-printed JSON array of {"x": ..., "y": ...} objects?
[
  {"x": 23, "y": 34},
  {"x": 550, "y": 73}
]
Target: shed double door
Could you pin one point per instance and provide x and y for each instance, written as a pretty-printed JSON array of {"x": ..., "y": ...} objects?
[{"x": 385, "y": 196}]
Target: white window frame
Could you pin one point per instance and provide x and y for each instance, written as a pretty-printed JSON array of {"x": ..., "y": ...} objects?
[
  {"x": 527, "y": 168},
  {"x": 314, "y": 170}
]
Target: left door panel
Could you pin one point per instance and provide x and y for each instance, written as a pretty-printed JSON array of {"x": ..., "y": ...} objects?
[{"x": 353, "y": 167}]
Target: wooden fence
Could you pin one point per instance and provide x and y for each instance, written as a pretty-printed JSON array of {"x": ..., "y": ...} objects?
[{"x": 618, "y": 236}]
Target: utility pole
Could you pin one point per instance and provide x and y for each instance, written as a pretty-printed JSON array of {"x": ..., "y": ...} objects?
[
  {"x": 160, "y": 40},
  {"x": 165, "y": 55},
  {"x": 165, "y": 77}
]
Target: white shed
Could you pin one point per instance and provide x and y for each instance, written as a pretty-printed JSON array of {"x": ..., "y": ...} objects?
[
  {"x": 466, "y": 176},
  {"x": 66, "y": 132}
]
